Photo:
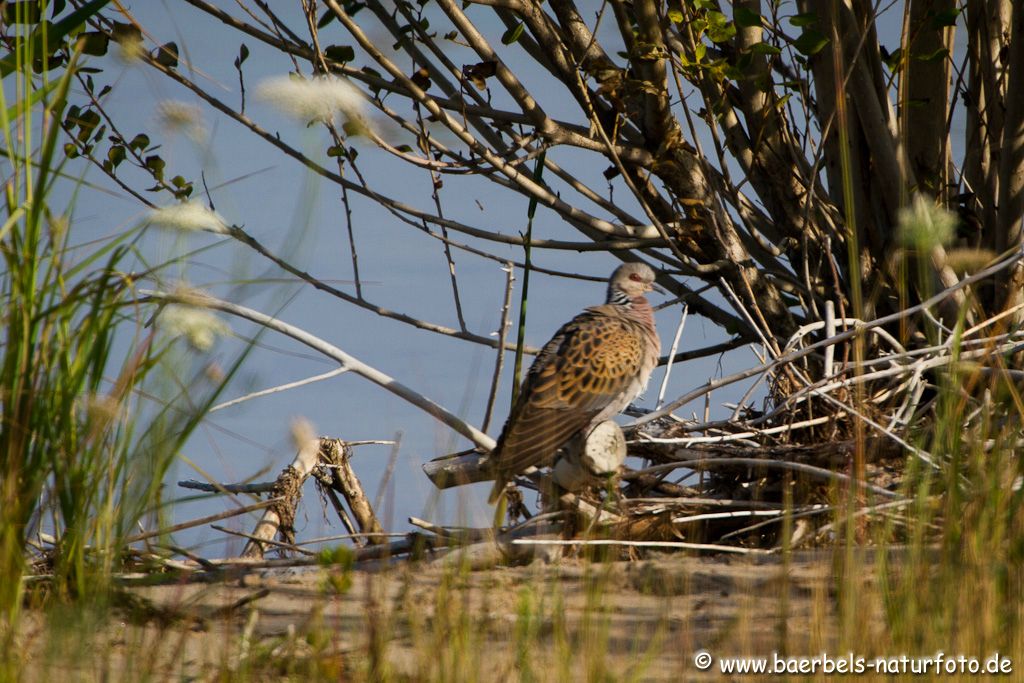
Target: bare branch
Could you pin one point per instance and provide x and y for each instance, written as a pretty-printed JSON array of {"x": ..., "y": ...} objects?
[{"x": 331, "y": 351}]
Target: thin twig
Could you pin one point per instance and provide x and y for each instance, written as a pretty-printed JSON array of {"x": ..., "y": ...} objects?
[
  {"x": 671, "y": 358},
  {"x": 727, "y": 515},
  {"x": 234, "y": 512},
  {"x": 499, "y": 362},
  {"x": 524, "y": 297},
  {"x": 279, "y": 388},
  {"x": 389, "y": 471},
  {"x": 348, "y": 537},
  {"x": 265, "y": 541}
]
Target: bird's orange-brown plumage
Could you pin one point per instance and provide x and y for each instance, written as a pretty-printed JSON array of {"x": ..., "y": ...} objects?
[{"x": 592, "y": 368}]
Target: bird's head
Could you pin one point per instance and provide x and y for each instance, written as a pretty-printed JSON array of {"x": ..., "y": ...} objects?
[{"x": 633, "y": 280}]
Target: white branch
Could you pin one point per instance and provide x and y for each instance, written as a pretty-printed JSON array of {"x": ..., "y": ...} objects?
[
  {"x": 279, "y": 388},
  {"x": 331, "y": 351}
]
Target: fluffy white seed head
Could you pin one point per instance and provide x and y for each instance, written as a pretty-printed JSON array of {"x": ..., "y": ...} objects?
[
  {"x": 315, "y": 99},
  {"x": 189, "y": 216},
  {"x": 181, "y": 117},
  {"x": 198, "y": 326},
  {"x": 924, "y": 225}
]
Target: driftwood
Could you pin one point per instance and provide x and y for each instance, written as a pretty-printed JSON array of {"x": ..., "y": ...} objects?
[
  {"x": 334, "y": 456},
  {"x": 281, "y": 517},
  {"x": 327, "y": 460}
]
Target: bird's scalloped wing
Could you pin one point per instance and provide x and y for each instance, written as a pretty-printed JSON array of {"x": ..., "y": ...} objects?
[{"x": 588, "y": 364}]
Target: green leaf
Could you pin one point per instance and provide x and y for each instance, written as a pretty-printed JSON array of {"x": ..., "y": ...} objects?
[
  {"x": 54, "y": 34},
  {"x": 675, "y": 16},
  {"x": 179, "y": 181},
  {"x": 742, "y": 64},
  {"x": 802, "y": 20},
  {"x": 340, "y": 53},
  {"x": 156, "y": 166},
  {"x": 746, "y": 18},
  {"x": 116, "y": 155},
  {"x": 945, "y": 18},
  {"x": 140, "y": 142},
  {"x": 810, "y": 42},
  {"x": 764, "y": 49},
  {"x": 720, "y": 29},
  {"x": 52, "y": 61},
  {"x": 86, "y": 122},
  {"x": 892, "y": 60},
  {"x": 647, "y": 52},
  {"x": 166, "y": 55},
  {"x": 937, "y": 55},
  {"x": 243, "y": 54},
  {"x": 24, "y": 12},
  {"x": 125, "y": 33},
  {"x": 93, "y": 43},
  {"x": 327, "y": 18},
  {"x": 513, "y": 34},
  {"x": 353, "y": 128},
  {"x": 371, "y": 72},
  {"x": 479, "y": 73}
]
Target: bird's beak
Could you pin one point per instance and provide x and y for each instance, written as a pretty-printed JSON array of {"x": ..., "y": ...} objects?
[{"x": 657, "y": 289}]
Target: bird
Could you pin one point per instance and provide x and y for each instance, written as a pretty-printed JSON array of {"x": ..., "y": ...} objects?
[{"x": 591, "y": 370}]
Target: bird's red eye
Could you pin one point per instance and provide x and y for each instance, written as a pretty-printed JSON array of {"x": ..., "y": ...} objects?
[{"x": 635, "y": 277}]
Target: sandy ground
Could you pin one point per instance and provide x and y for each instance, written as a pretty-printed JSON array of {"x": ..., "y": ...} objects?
[{"x": 570, "y": 620}]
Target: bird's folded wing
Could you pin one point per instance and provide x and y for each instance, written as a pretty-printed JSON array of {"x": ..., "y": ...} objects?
[{"x": 589, "y": 364}]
